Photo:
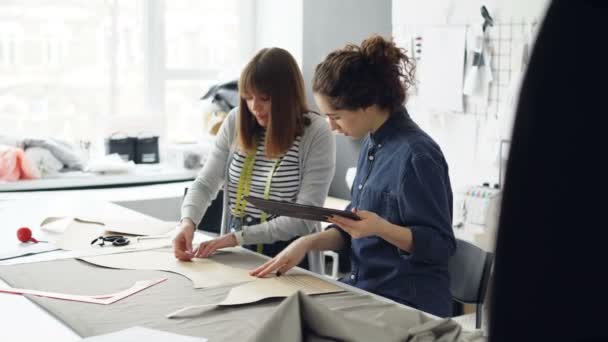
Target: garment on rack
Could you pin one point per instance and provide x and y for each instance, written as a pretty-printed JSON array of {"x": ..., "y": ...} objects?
[
  {"x": 479, "y": 74},
  {"x": 224, "y": 95},
  {"x": 62, "y": 150},
  {"x": 65, "y": 152},
  {"x": 14, "y": 165},
  {"x": 44, "y": 161}
]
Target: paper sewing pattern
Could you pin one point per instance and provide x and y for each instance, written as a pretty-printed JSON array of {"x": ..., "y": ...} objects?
[
  {"x": 102, "y": 299},
  {"x": 202, "y": 272},
  {"x": 138, "y": 227},
  {"x": 25, "y": 249},
  {"x": 283, "y": 286},
  {"x": 274, "y": 287},
  {"x": 74, "y": 254},
  {"x": 76, "y": 234},
  {"x": 72, "y": 234}
]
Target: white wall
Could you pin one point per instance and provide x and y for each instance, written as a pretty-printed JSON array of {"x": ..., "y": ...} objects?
[
  {"x": 463, "y": 11},
  {"x": 279, "y": 24},
  {"x": 311, "y": 29},
  {"x": 470, "y": 142},
  {"x": 330, "y": 25}
]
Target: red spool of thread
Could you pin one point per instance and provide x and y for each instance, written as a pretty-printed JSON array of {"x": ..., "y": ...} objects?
[{"x": 24, "y": 234}]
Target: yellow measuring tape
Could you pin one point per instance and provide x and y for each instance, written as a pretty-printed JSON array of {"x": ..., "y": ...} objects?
[{"x": 244, "y": 186}]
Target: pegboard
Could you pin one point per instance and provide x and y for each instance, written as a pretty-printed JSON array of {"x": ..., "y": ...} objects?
[{"x": 505, "y": 41}]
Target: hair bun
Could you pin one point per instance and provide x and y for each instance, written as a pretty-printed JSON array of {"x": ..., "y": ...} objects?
[
  {"x": 376, "y": 72},
  {"x": 377, "y": 50}
]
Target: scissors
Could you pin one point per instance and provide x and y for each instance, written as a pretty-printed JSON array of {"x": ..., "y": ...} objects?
[{"x": 116, "y": 240}]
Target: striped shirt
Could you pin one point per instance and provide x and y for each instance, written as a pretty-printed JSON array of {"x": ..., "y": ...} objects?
[{"x": 285, "y": 182}]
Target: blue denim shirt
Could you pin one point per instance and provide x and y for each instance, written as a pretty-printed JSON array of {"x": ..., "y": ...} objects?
[{"x": 403, "y": 177}]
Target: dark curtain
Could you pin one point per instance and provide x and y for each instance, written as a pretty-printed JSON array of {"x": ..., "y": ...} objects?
[{"x": 551, "y": 260}]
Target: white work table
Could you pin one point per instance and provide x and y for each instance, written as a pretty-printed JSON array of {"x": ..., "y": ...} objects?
[{"x": 28, "y": 322}]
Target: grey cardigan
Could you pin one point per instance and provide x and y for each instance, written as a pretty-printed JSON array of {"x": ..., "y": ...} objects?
[{"x": 317, "y": 152}]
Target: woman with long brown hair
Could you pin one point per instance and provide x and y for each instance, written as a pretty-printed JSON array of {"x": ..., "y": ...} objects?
[{"x": 271, "y": 146}]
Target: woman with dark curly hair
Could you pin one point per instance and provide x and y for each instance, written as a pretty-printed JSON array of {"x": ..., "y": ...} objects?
[{"x": 401, "y": 246}]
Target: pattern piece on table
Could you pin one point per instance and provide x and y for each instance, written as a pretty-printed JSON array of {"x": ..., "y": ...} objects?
[
  {"x": 262, "y": 288},
  {"x": 142, "y": 226},
  {"x": 202, "y": 272},
  {"x": 72, "y": 233},
  {"x": 103, "y": 299}
]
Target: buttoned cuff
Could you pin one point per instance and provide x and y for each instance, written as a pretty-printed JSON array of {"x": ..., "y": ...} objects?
[{"x": 239, "y": 238}]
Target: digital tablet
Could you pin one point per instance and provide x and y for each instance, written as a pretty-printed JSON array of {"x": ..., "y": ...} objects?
[{"x": 301, "y": 211}]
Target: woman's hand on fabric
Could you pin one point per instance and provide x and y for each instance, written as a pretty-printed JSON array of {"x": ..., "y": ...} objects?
[
  {"x": 369, "y": 224},
  {"x": 291, "y": 256},
  {"x": 205, "y": 249},
  {"x": 182, "y": 243}
]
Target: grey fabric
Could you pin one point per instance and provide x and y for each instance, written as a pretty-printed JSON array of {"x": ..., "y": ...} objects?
[
  {"x": 148, "y": 307},
  {"x": 300, "y": 318}
]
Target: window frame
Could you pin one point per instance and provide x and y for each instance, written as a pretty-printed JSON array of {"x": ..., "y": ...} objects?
[
  {"x": 151, "y": 116},
  {"x": 156, "y": 72}
]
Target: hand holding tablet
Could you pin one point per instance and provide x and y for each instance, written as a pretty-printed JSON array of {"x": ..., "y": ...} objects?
[{"x": 301, "y": 211}]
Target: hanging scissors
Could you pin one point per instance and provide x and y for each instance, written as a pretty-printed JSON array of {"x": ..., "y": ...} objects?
[{"x": 487, "y": 19}]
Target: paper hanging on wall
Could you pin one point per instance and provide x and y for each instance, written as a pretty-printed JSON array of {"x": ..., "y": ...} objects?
[
  {"x": 441, "y": 69},
  {"x": 274, "y": 287},
  {"x": 102, "y": 299},
  {"x": 202, "y": 272}
]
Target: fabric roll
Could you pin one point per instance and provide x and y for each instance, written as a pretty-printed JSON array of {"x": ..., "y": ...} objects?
[{"x": 301, "y": 318}]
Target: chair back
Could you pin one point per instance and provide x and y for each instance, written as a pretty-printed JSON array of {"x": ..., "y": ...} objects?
[
  {"x": 212, "y": 220},
  {"x": 469, "y": 271}
]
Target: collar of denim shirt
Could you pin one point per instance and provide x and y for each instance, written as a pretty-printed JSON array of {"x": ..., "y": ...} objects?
[{"x": 399, "y": 120}]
